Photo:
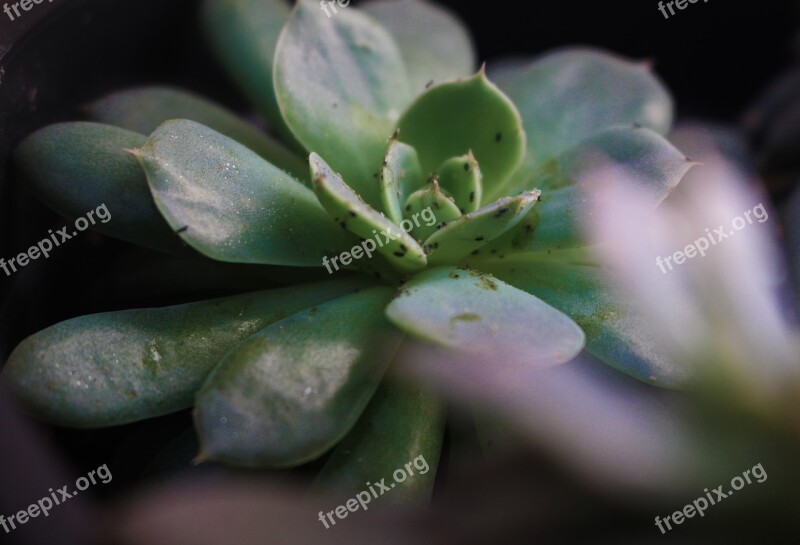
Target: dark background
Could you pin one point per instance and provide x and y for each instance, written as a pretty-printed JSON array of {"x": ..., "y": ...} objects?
[{"x": 714, "y": 56}]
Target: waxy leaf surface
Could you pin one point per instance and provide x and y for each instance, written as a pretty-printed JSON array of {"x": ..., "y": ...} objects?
[
  {"x": 290, "y": 392},
  {"x": 118, "y": 367},
  {"x": 341, "y": 86},
  {"x": 476, "y": 313},
  {"x": 230, "y": 204}
]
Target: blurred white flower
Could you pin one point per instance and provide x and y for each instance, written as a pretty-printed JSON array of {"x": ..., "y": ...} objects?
[{"x": 718, "y": 312}]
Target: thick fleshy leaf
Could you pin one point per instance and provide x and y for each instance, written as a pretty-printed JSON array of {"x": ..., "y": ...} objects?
[
  {"x": 243, "y": 34},
  {"x": 469, "y": 114},
  {"x": 294, "y": 389},
  {"x": 143, "y": 109},
  {"x": 352, "y": 213},
  {"x": 430, "y": 198},
  {"x": 230, "y": 204},
  {"x": 568, "y": 95},
  {"x": 461, "y": 177},
  {"x": 75, "y": 167},
  {"x": 655, "y": 165},
  {"x": 476, "y": 313},
  {"x": 465, "y": 235},
  {"x": 341, "y": 85},
  {"x": 402, "y": 427},
  {"x": 435, "y": 45},
  {"x": 615, "y": 331},
  {"x": 118, "y": 367},
  {"x": 400, "y": 175}
]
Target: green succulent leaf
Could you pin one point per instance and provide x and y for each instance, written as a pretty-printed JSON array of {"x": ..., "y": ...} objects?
[
  {"x": 420, "y": 29},
  {"x": 590, "y": 166},
  {"x": 341, "y": 85},
  {"x": 615, "y": 332},
  {"x": 352, "y": 213},
  {"x": 478, "y": 314},
  {"x": 232, "y": 205},
  {"x": 291, "y": 391},
  {"x": 465, "y": 235},
  {"x": 244, "y": 34},
  {"x": 403, "y": 424},
  {"x": 400, "y": 174},
  {"x": 118, "y": 367},
  {"x": 571, "y": 94},
  {"x": 75, "y": 167},
  {"x": 143, "y": 109},
  {"x": 469, "y": 114},
  {"x": 431, "y": 197},
  {"x": 461, "y": 177}
]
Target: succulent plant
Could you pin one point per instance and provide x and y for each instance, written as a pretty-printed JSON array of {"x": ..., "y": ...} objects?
[{"x": 386, "y": 104}]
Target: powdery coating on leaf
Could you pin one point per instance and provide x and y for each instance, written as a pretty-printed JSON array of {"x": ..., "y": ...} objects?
[
  {"x": 74, "y": 166},
  {"x": 340, "y": 351},
  {"x": 568, "y": 95},
  {"x": 136, "y": 364},
  {"x": 503, "y": 323},
  {"x": 451, "y": 119},
  {"x": 340, "y": 84},
  {"x": 652, "y": 163},
  {"x": 230, "y": 204},
  {"x": 143, "y": 109},
  {"x": 435, "y": 45}
]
